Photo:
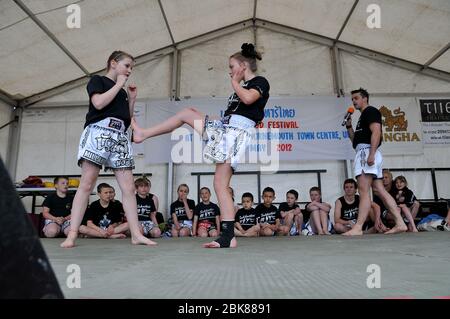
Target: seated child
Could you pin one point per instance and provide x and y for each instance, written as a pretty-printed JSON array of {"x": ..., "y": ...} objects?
[
  {"x": 291, "y": 215},
  {"x": 269, "y": 216},
  {"x": 247, "y": 219},
  {"x": 103, "y": 217},
  {"x": 182, "y": 211},
  {"x": 146, "y": 209},
  {"x": 56, "y": 209},
  {"x": 318, "y": 221},
  {"x": 405, "y": 198},
  {"x": 206, "y": 216}
]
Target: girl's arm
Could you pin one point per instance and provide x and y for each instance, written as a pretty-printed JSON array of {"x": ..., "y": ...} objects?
[
  {"x": 153, "y": 218},
  {"x": 101, "y": 100},
  {"x": 188, "y": 210},
  {"x": 324, "y": 206},
  {"x": 246, "y": 96},
  {"x": 194, "y": 226},
  {"x": 337, "y": 213},
  {"x": 277, "y": 224},
  {"x": 156, "y": 202},
  {"x": 175, "y": 221}
]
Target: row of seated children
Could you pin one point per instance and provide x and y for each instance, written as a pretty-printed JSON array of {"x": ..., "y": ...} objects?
[
  {"x": 268, "y": 220},
  {"x": 188, "y": 219},
  {"x": 105, "y": 218}
]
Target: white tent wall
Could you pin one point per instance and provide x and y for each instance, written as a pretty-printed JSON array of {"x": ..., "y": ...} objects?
[
  {"x": 293, "y": 66},
  {"x": 5, "y": 117}
]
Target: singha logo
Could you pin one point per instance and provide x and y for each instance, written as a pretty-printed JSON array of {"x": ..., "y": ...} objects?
[{"x": 394, "y": 122}]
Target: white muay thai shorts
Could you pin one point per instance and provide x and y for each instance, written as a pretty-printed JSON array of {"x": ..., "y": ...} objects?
[
  {"x": 105, "y": 143},
  {"x": 360, "y": 165},
  {"x": 228, "y": 138}
]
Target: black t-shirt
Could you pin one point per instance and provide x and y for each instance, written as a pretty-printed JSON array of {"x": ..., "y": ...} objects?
[
  {"x": 59, "y": 206},
  {"x": 118, "y": 107},
  {"x": 145, "y": 206},
  {"x": 268, "y": 214},
  {"x": 349, "y": 211},
  {"x": 177, "y": 208},
  {"x": 207, "y": 212},
  {"x": 103, "y": 217},
  {"x": 254, "y": 111},
  {"x": 363, "y": 133},
  {"x": 284, "y": 207},
  {"x": 247, "y": 217},
  {"x": 404, "y": 196}
]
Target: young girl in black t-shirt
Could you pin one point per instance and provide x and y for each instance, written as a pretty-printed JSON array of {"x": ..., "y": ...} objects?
[
  {"x": 182, "y": 213},
  {"x": 228, "y": 137},
  {"x": 104, "y": 142},
  {"x": 405, "y": 198},
  {"x": 206, "y": 216}
]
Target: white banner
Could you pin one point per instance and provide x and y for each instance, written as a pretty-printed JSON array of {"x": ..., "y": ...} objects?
[
  {"x": 301, "y": 128},
  {"x": 435, "y": 120},
  {"x": 402, "y": 133},
  {"x": 305, "y": 128}
]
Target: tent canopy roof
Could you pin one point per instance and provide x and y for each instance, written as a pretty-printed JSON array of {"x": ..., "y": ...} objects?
[{"x": 39, "y": 52}]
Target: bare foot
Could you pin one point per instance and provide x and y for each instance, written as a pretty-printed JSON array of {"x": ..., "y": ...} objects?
[
  {"x": 214, "y": 244},
  {"x": 141, "y": 240},
  {"x": 138, "y": 134},
  {"x": 353, "y": 232},
  {"x": 397, "y": 229},
  {"x": 70, "y": 240}
]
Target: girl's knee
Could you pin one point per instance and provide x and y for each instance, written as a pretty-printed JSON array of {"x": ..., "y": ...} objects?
[
  {"x": 185, "y": 232},
  {"x": 156, "y": 232},
  {"x": 86, "y": 186},
  {"x": 213, "y": 233},
  {"x": 51, "y": 232}
]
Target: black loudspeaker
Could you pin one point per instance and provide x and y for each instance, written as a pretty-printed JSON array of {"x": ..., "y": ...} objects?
[{"x": 25, "y": 271}]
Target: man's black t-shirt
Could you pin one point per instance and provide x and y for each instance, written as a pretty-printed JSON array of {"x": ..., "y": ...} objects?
[
  {"x": 207, "y": 212},
  {"x": 363, "y": 133},
  {"x": 267, "y": 214},
  {"x": 349, "y": 211},
  {"x": 254, "y": 111},
  {"x": 59, "y": 206},
  {"x": 177, "y": 208},
  {"x": 247, "y": 217},
  {"x": 117, "y": 108},
  {"x": 145, "y": 206},
  {"x": 104, "y": 216}
]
